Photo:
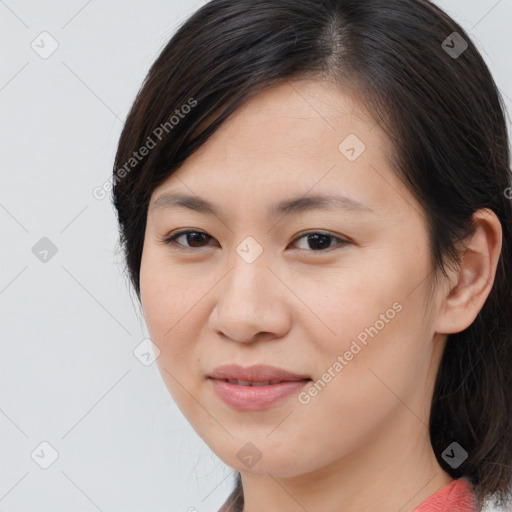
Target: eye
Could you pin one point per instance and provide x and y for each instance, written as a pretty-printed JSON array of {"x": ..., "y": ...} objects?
[
  {"x": 319, "y": 241},
  {"x": 194, "y": 238}
]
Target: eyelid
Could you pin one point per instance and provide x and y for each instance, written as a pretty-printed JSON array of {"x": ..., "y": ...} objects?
[{"x": 170, "y": 239}]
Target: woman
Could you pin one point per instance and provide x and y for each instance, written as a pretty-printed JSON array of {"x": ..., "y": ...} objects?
[{"x": 314, "y": 203}]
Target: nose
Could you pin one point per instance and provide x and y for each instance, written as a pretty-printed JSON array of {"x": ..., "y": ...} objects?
[{"x": 251, "y": 303}]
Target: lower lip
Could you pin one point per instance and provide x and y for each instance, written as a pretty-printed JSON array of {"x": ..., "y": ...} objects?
[{"x": 250, "y": 398}]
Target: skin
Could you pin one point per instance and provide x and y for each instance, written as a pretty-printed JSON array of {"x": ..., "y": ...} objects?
[{"x": 363, "y": 440}]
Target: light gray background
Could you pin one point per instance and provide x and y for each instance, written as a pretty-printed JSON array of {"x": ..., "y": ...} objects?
[{"x": 68, "y": 373}]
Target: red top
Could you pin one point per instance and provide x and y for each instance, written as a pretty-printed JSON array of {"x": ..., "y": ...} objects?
[{"x": 457, "y": 496}]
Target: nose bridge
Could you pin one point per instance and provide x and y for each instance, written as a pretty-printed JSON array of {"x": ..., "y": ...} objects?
[
  {"x": 246, "y": 301},
  {"x": 249, "y": 274}
]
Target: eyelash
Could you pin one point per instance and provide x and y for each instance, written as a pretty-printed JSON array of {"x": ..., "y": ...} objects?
[{"x": 171, "y": 240}]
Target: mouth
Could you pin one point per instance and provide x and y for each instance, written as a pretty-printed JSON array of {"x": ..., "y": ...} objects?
[
  {"x": 255, "y": 387},
  {"x": 256, "y": 383},
  {"x": 260, "y": 374}
]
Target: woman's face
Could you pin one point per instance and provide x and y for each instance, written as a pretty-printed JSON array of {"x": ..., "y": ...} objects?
[{"x": 346, "y": 307}]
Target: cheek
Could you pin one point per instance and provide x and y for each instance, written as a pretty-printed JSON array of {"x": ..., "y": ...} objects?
[
  {"x": 362, "y": 376},
  {"x": 351, "y": 303},
  {"x": 369, "y": 331},
  {"x": 168, "y": 305},
  {"x": 348, "y": 414},
  {"x": 168, "y": 293}
]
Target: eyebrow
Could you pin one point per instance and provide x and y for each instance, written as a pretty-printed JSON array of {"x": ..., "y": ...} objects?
[{"x": 287, "y": 206}]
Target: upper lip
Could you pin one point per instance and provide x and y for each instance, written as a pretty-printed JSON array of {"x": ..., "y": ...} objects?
[{"x": 256, "y": 373}]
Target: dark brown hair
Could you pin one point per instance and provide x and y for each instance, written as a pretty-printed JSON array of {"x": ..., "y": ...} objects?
[{"x": 441, "y": 110}]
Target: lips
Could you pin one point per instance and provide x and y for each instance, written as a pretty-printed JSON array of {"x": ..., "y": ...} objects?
[
  {"x": 252, "y": 383},
  {"x": 257, "y": 375},
  {"x": 255, "y": 387}
]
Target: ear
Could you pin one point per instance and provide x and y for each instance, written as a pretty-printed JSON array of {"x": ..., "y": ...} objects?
[{"x": 470, "y": 285}]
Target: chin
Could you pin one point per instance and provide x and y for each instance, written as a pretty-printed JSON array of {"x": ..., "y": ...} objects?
[{"x": 260, "y": 458}]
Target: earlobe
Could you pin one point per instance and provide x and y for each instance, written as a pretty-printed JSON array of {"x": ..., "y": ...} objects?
[{"x": 473, "y": 280}]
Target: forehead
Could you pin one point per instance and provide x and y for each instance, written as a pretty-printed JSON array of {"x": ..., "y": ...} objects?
[
  {"x": 304, "y": 118},
  {"x": 291, "y": 139}
]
